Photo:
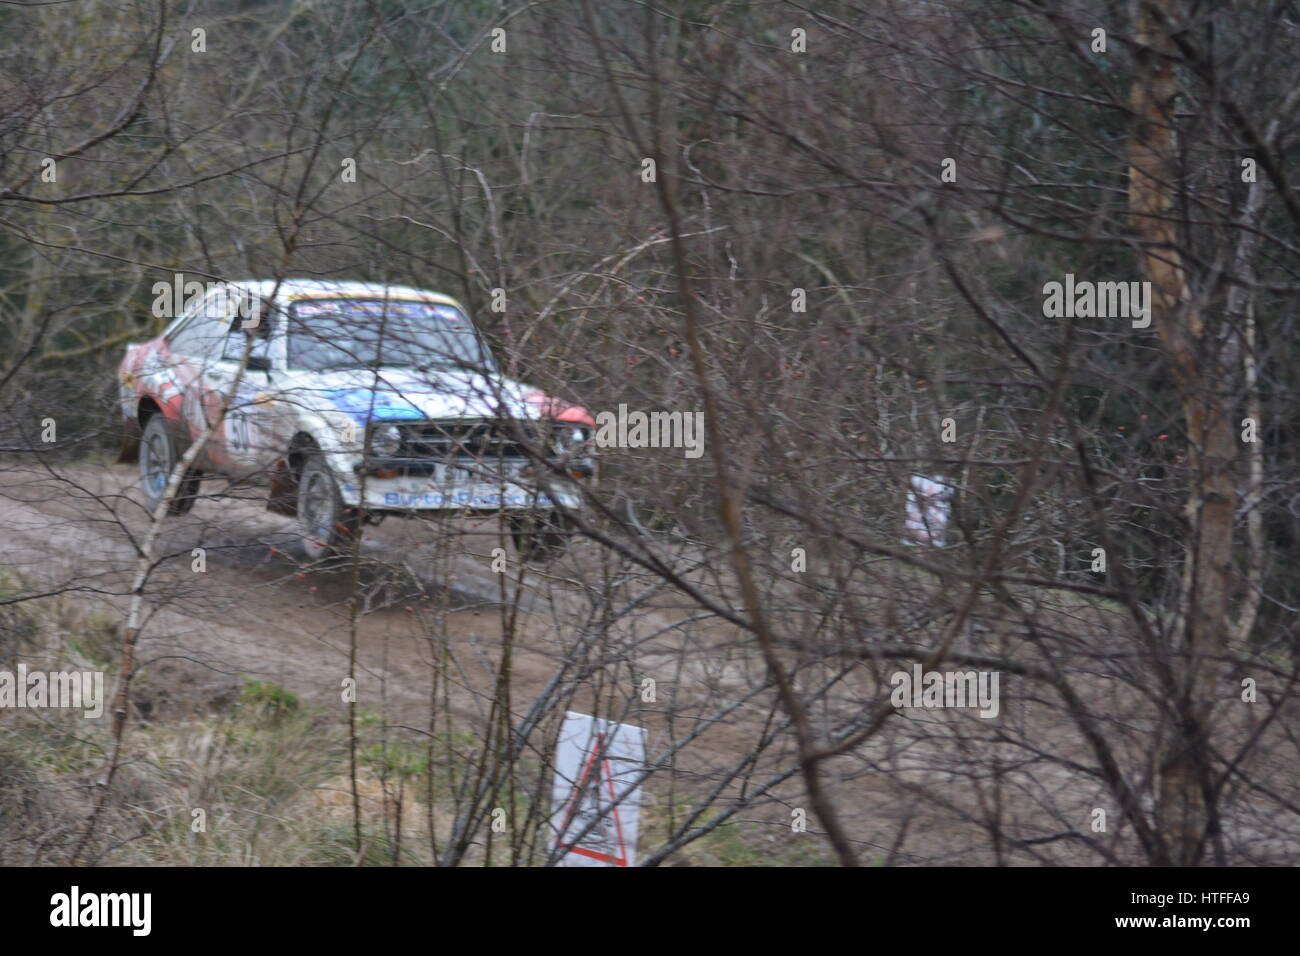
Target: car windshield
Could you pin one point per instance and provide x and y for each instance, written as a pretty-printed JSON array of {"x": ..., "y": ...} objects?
[{"x": 351, "y": 333}]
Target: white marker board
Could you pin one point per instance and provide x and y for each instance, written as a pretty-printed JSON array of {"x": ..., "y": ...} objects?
[{"x": 596, "y": 800}]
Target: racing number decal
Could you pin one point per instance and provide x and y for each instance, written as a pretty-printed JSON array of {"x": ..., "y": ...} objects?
[{"x": 240, "y": 429}]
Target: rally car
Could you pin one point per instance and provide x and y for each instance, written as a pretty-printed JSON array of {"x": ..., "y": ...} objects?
[{"x": 356, "y": 401}]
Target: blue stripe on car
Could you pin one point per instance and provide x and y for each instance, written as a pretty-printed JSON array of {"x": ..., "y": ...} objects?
[{"x": 365, "y": 405}]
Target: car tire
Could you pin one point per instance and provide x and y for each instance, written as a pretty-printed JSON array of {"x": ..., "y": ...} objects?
[
  {"x": 540, "y": 537},
  {"x": 326, "y": 525},
  {"x": 158, "y": 455}
]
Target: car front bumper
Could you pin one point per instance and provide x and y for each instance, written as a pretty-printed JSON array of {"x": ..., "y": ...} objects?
[{"x": 417, "y": 493}]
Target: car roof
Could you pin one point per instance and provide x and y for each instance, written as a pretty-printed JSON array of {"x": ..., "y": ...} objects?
[{"x": 291, "y": 289}]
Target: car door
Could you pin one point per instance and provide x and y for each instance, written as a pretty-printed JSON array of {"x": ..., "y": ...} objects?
[
  {"x": 167, "y": 371},
  {"x": 245, "y": 441},
  {"x": 193, "y": 348}
]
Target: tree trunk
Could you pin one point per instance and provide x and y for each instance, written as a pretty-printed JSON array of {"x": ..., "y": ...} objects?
[{"x": 1183, "y": 813}]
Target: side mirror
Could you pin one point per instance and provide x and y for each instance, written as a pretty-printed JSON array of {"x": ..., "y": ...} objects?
[{"x": 259, "y": 363}]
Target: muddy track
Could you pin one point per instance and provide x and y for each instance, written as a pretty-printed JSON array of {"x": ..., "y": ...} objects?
[{"x": 256, "y": 612}]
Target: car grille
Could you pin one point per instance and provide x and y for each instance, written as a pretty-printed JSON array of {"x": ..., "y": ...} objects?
[
  {"x": 462, "y": 450},
  {"x": 480, "y": 440}
]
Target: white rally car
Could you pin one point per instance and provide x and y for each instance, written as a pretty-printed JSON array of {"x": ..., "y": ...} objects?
[{"x": 357, "y": 401}]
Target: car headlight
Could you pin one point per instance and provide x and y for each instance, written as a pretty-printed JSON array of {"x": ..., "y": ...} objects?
[
  {"x": 572, "y": 444},
  {"x": 385, "y": 439},
  {"x": 569, "y": 440}
]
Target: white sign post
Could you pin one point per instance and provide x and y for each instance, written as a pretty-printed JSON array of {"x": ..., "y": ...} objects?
[
  {"x": 597, "y": 798},
  {"x": 929, "y": 504}
]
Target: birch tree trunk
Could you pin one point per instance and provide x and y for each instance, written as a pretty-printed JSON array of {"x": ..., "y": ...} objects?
[{"x": 1203, "y": 386}]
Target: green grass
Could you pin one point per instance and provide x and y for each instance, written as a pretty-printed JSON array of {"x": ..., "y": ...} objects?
[{"x": 268, "y": 771}]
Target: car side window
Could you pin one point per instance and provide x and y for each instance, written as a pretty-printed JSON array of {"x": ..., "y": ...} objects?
[
  {"x": 261, "y": 315},
  {"x": 191, "y": 337},
  {"x": 204, "y": 336}
]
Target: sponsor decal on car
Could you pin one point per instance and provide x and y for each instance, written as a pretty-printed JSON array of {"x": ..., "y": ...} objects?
[{"x": 364, "y": 405}]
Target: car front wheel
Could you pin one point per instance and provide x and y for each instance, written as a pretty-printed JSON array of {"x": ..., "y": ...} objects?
[
  {"x": 325, "y": 524},
  {"x": 540, "y": 537}
]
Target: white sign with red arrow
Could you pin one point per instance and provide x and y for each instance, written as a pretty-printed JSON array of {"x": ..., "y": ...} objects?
[{"x": 599, "y": 766}]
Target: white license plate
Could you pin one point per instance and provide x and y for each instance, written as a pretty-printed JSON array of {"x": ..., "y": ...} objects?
[
  {"x": 471, "y": 496},
  {"x": 467, "y": 470}
]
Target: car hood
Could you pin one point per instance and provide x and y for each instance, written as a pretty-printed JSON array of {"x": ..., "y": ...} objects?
[{"x": 408, "y": 394}]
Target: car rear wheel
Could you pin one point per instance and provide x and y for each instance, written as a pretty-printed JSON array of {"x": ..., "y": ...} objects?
[
  {"x": 325, "y": 524},
  {"x": 158, "y": 455}
]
